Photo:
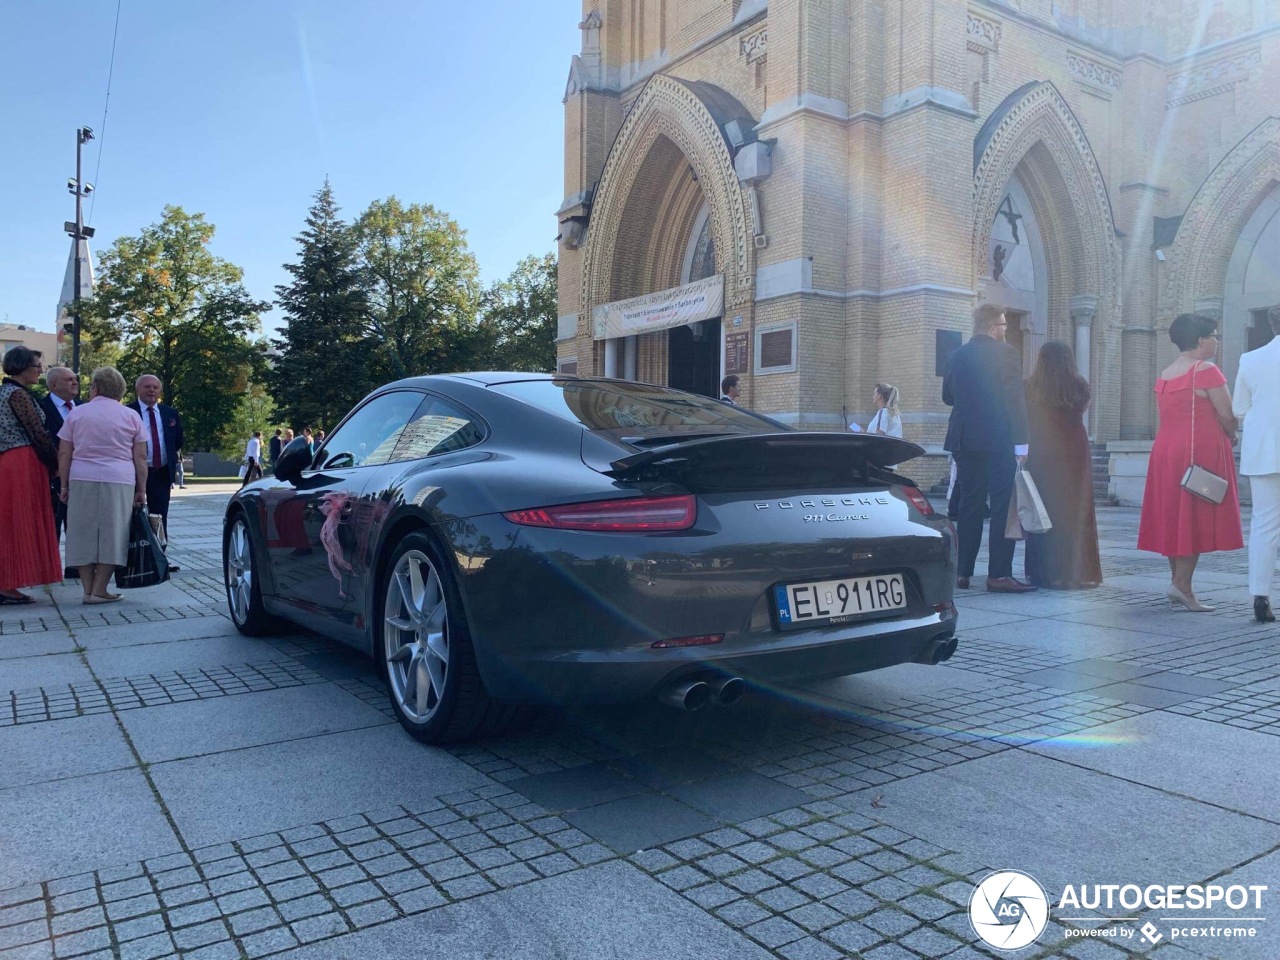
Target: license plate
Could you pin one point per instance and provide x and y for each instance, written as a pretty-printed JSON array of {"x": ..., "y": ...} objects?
[{"x": 836, "y": 601}]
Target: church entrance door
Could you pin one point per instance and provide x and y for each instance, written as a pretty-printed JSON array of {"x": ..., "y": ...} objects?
[{"x": 693, "y": 358}]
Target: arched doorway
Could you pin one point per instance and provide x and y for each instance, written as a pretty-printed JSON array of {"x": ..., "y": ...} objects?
[
  {"x": 670, "y": 210},
  {"x": 693, "y": 350},
  {"x": 1033, "y": 161},
  {"x": 1253, "y": 282},
  {"x": 1225, "y": 257},
  {"x": 1019, "y": 275}
]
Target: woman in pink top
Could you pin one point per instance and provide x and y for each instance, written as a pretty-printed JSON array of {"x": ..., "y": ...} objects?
[{"x": 102, "y": 462}]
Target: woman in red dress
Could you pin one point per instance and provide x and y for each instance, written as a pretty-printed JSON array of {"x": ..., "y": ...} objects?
[
  {"x": 1066, "y": 557},
  {"x": 29, "y": 556},
  {"x": 1192, "y": 398}
]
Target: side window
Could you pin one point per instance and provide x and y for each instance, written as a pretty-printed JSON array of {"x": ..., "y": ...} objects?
[
  {"x": 437, "y": 427},
  {"x": 370, "y": 437}
]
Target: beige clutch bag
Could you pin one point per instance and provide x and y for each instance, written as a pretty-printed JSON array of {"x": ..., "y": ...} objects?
[{"x": 1201, "y": 483}]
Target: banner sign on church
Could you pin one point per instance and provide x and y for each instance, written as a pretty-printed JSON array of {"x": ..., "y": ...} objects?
[{"x": 700, "y": 300}]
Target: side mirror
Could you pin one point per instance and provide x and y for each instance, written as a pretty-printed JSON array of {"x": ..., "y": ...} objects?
[{"x": 294, "y": 458}]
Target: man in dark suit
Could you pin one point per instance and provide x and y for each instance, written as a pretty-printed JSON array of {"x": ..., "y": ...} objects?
[
  {"x": 64, "y": 387},
  {"x": 163, "y": 427},
  {"x": 987, "y": 436},
  {"x": 276, "y": 445}
]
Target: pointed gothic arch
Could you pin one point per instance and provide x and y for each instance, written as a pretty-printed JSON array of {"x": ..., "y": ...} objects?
[
  {"x": 1218, "y": 213},
  {"x": 670, "y": 110},
  {"x": 1033, "y": 138}
]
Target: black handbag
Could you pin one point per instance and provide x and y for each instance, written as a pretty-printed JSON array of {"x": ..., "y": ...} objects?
[{"x": 146, "y": 564}]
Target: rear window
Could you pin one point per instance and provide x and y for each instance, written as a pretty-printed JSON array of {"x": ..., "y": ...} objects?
[{"x": 621, "y": 407}]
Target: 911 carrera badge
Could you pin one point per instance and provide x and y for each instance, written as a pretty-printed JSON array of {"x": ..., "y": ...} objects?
[
  {"x": 868, "y": 501},
  {"x": 833, "y": 517}
]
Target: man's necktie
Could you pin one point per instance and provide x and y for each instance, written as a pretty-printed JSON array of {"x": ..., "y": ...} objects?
[
  {"x": 67, "y": 405},
  {"x": 155, "y": 439}
]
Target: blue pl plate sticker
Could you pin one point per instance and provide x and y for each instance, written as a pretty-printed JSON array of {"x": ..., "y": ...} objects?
[{"x": 784, "y": 605}]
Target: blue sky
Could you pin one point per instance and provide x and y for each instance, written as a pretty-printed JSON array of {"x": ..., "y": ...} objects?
[{"x": 240, "y": 108}]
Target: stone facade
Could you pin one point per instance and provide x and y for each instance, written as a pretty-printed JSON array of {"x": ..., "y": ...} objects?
[{"x": 867, "y": 170}]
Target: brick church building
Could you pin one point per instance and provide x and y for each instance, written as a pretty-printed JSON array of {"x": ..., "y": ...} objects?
[{"x": 814, "y": 194}]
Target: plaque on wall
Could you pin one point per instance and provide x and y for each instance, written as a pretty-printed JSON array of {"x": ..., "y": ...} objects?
[
  {"x": 945, "y": 343},
  {"x": 569, "y": 367},
  {"x": 735, "y": 352},
  {"x": 776, "y": 348}
]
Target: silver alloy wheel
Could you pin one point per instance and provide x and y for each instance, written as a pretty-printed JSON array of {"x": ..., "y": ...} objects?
[
  {"x": 239, "y": 572},
  {"x": 416, "y": 629}
]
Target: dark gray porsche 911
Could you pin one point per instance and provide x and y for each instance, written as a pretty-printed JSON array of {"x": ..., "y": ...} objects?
[{"x": 492, "y": 539}]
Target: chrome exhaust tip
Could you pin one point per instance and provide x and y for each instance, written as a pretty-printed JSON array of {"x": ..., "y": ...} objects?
[
  {"x": 688, "y": 696},
  {"x": 728, "y": 691},
  {"x": 937, "y": 650}
]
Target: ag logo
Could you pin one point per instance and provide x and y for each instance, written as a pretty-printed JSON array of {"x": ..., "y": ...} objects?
[{"x": 1008, "y": 910}]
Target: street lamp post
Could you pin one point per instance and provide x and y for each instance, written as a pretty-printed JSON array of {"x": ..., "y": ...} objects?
[{"x": 79, "y": 233}]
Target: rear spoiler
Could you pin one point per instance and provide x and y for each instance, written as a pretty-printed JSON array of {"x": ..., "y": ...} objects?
[{"x": 858, "y": 449}]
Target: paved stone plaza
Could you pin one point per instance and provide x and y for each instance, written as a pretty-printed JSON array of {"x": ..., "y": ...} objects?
[{"x": 170, "y": 788}]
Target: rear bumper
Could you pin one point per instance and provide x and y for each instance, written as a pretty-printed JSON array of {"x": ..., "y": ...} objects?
[
  {"x": 567, "y": 617},
  {"x": 623, "y": 676}
]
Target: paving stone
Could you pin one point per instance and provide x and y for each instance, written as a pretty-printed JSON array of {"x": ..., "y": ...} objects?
[
  {"x": 319, "y": 928},
  {"x": 787, "y": 868},
  {"x": 782, "y": 899},
  {"x": 252, "y": 921},
  {"x": 77, "y": 920},
  {"x": 928, "y": 942},
  {"x": 464, "y": 887},
  {"x": 741, "y": 914},
  {"x": 751, "y": 881},
  {"x": 65, "y": 885},
  {"x": 816, "y": 917},
  {"x": 141, "y": 927},
  {"x": 554, "y": 864},
  {"x": 682, "y": 878},
  {"x": 76, "y": 900},
  {"x": 126, "y": 889},
  {"x": 355, "y": 893},
  {"x": 270, "y": 941},
  {"x": 23, "y": 933},
  {"x": 853, "y": 937},
  {"x": 231, "y": 883},
  {"x": 889, "y": 951},
  {"x": 134, "y": 907},
  {"x": 810, "y": 948},
  {"x": 148, "y": 948},
  {"x": 21, "y": 913},
  {"x": 200, "y": 935},
  {"x": 217, "y": 951},
  {"x": 242, "y": 900},
  {"x": 820, "y": 886},
  {"x": 774, "y": 932},
  {"x": 416, "y": 901},
  {"x": 712, "y": 895},
  {"x": 512, "y": 875}
]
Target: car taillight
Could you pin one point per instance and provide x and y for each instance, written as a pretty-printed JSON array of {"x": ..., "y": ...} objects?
[
  {"x": 918, "y": 500},
  {"x": 640, "y": 515}
]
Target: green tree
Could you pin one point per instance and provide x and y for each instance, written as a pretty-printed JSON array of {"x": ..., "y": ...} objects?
[
  {"x": 255, "y": 411},
  {"x": 183, "y": 314},
  {"x": 422, "y": 286},
  {"x": 519, "y": 318},
  {"x": 322, "y": 368}
]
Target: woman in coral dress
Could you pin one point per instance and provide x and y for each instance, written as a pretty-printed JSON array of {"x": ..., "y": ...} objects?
[{"x": 1191, "y": 392}]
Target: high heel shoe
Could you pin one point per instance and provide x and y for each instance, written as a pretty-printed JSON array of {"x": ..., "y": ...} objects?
[
  {"x": 1262, "y": 610},
  {"x": 1178, "y": 598}
]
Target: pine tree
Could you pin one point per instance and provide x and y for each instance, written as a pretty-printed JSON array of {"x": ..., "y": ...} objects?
[{"x": 322, "y": 369}]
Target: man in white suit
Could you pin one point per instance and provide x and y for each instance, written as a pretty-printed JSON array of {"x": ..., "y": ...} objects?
[{"x": 1256, "y": 403}]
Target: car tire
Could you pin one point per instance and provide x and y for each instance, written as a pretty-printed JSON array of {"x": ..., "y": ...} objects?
[
  {"x": 425, "y": 652},
  {"x": 239, "y": 577}
]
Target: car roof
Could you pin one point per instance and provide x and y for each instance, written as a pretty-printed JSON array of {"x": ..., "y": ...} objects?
[{"x": 490, "y": 378}]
